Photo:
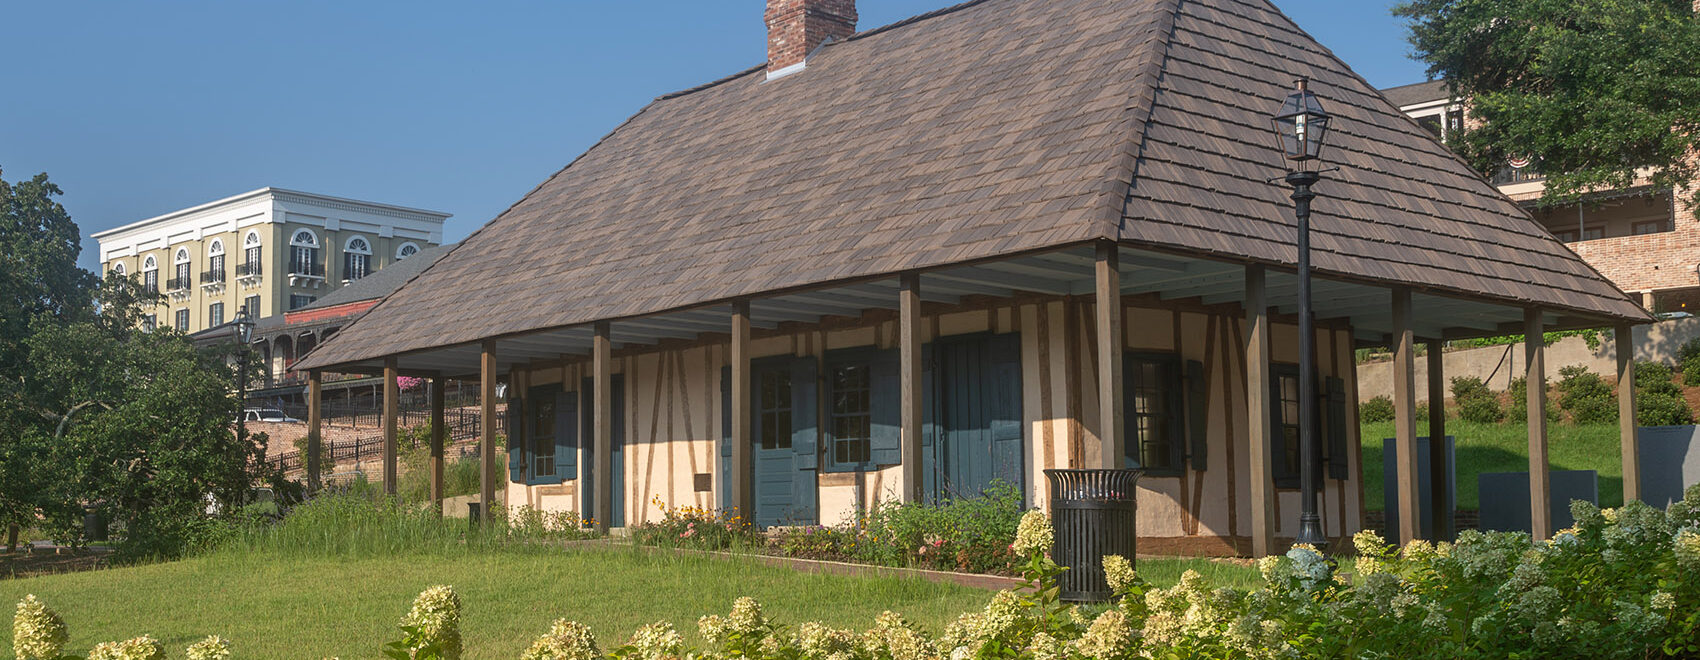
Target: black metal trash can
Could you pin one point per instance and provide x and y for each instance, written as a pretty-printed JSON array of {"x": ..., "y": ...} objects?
[
  {"x": 1092, "y": 515},
  {"x": 474, "y": 513}
]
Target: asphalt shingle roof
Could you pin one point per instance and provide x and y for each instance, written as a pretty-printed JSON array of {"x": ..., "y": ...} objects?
[{"x": 987, "y": 129}]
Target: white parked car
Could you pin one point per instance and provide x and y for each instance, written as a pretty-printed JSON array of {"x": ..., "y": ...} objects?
[{"x": 266, "y": 415}]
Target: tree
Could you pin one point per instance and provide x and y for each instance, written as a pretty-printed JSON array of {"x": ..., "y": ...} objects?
[
  {"x": 95, "y": 411},
  {"x": 1596, "y": 92}
]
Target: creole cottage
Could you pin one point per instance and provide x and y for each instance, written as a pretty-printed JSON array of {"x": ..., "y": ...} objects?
[{"x": 1002, "y": 237}]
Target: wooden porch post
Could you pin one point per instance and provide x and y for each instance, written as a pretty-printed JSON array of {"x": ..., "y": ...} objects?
[
  {"x": 602, "y": 366},
  {"x": 487, "y": 427},
  {"x": 742, "y": 496},
  {"x": 1628, "y": 428},
  {"x": 1405, "y": 417},
  {"x": 1108, "y": 309},
  {"x": 1535, "y": 377},
  {"x": 1257, "y": 411},
  {"x": 392, "y": 408},
  {"x": 1439, "y": 521},
  {"x": 437, "y": 435},
  {"x": 909, "y": 339},
  {"x": 315, "y": 428}
]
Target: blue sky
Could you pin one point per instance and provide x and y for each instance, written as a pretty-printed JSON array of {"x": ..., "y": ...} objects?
[{"x": 140, "y": 108}]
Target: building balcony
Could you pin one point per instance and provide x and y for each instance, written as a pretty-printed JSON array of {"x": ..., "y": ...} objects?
[
  {"x": 1509, "y": 175},
  {"x": 249, "y": 269},
  {"x": 212, "y": 277},
  {"x": 177, "y": 284},
  {"x": 307, "y": 270}
]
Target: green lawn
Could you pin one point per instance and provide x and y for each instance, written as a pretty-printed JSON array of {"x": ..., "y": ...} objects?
[
  {"x": 1505, "y": 448},
  {"x": 300, "y": 606}
]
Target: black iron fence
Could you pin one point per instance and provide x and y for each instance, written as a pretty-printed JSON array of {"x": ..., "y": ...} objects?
[{"x": 461, "y": 426}]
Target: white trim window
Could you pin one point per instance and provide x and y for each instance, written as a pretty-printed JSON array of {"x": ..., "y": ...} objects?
[
  {"x": 180, "y": 271},
  {"x": 304, "y": 254},
  {"x": 406, "y": 250},
  {"x": 118, "y": 269},
  {"x": 215, "y": 263},
  {"x": 251, "y": 255},
  {"x": 150, "y": 274},
  {"x": 356, "y": 258}
]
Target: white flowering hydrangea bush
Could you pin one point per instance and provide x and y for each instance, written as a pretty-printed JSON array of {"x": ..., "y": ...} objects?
[
  {"x": 431, "y": 628},
  {"x": 37, "y": 631}
]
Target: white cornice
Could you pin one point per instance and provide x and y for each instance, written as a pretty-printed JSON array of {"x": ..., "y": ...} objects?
[{"x": 280, "y": 194}]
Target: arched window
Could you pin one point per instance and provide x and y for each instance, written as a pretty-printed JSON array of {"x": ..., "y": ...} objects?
[
  {"x": 118, "y": 269},
  {"x": 356, "y": 258},
  {"x": 215, "y": 264},
  {"x": 304, "y": 254},
  {"x": 406, "y": 250},
  {"x": 250, "y": 254},
  {"x": 150, "y": 274},
  {"x": 180, "y": 271}
]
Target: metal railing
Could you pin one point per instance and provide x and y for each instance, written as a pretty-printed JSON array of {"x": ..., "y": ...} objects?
[
  {"x": 310, "y": 270},
  {"x": 177, "y": 284},
  {"x": 372, "y": 446},
  {"x": 1508, "y": 175},
  {"x": 212, "y": 277},
  {"x": 247, "y": 269}
]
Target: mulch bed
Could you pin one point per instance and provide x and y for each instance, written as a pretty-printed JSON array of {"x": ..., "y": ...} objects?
[{"x": 49, "y": 561}]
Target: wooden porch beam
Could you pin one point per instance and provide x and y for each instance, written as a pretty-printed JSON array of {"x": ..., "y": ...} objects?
[
  {"x": 742, "y": 496},
  {"x": 602, "y": 424},
  {"x": 1258, "y": 411},
  {"x": 1108, "y": 312},
  {"x": 909, "y": 349},
  {"x": 1440, "y": 522},
  {"x": 315, "y": 428},
  {"x": 1628, "y": 428},
  {"x": 487, "y": 428},
  {"x": 392, "y": 417},
  {"x": 1535, "y": 377},
  {"x": 438, "y": 432},
  {"x": 1405, "y": 416}
]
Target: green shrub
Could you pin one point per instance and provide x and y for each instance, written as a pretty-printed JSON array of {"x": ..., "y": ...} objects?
[
  {"x": 1376, "y": 410},
  {"x": 1586, "y": 396},
  {"x": 969, "y": 534},
  {"x": 1662, "y": 409},
  {"x": 1654, "y": 377},
  {"x": 1476, "y": 403},
  {"x": 1518, "y": 408}
]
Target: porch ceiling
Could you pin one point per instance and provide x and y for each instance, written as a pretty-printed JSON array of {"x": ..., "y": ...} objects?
[{"x": 1151, "y": 275}]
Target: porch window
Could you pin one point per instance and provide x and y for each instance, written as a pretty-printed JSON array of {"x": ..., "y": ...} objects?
[
  {"x": 850, "y": 415},
  {"x": 541, "y": 435},
  {"x": 1331, "y": 431},
  {"x": 774, "y": 407},
  {"x": 1155, "y": 426}
]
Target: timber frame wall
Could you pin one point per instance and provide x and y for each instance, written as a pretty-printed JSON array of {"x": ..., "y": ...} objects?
[{"x": 673, "y": 413}]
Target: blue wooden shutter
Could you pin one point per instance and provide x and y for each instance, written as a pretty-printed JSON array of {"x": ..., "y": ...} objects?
[
  {"x": 930, "y": 446},
  {"x": 1008, "y": 458},
  {"x": 517, "y": 457},
  {"x": 885, "y": 403},
  {"x": 726, "y": 438},
  {"x": 566, "y": 434},
  {"x": 1337, "y": 466},
  {"x": 1198, "y": 414},
  {"x": 805, "y": 437}
]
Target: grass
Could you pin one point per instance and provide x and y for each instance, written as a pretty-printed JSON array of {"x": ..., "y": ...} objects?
[
  {"x": 1505, "y": 448},
  {"x": 337, "y": 574}
]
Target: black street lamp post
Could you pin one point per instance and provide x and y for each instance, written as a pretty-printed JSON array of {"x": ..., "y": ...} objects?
[
  {"x": 1300, "y": 127},
  {"x": 244, "y": 327}
]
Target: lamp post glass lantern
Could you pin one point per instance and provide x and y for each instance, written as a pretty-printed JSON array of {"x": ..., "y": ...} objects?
[{"x": 1301, "y": 126}]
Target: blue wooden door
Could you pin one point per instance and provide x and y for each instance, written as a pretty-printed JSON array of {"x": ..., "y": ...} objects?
[
  {"x": 975, "y": 415},
  {"x": 783, "y": 409},
  {"x": 587, "y": 422}
]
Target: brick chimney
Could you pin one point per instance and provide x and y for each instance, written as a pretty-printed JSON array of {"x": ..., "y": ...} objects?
[{"x": 796, "y": 27}]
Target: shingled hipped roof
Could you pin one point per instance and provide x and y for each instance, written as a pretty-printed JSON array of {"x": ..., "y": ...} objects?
[{"x": 987, "y": 129}]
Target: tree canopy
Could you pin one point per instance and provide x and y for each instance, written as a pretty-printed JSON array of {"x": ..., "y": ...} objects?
[
  {"x": 93, "y": 410},
  {"x": 1598, "y": 93}
]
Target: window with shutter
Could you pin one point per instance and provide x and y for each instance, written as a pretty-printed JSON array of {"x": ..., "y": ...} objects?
[{"x": 1153, "y": 394}]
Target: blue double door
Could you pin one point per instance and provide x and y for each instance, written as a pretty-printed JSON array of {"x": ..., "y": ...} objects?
[
  {"x": 972, "y": 433},
  {"x": 972, "y": 430}
]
